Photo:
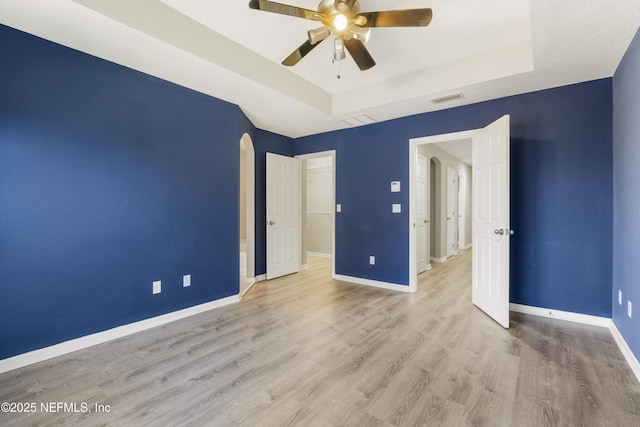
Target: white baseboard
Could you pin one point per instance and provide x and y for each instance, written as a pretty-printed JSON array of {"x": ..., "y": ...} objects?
[
  {"x": 429, "y": 267},
  {"x": 319, "y": 255},
  {"x": 304, "y": 267},
  {"x": 439, "y": 259},
  {"x": 374, "y": 283},
  {"x": 467, "y": 246},
  {"x": 261, "y": 278},
  {"x": 625, "y": 349},
  {"x": 586, "y": 319},
  {"x": 86, "y": 341}
]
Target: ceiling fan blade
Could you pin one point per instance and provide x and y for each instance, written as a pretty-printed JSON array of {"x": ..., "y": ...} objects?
[
  {"x": 283, "y": 9},
  {"x": 344, "y": 6},
  {"x": 398, "y": 18},
  {"x": 360, "y": 54},
  {"x": 300, "y": 53}
]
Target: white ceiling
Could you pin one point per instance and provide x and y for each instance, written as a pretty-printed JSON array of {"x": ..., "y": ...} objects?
[
  {"x": 460, "y": 149},
  {"x": 486, "y": 50}
]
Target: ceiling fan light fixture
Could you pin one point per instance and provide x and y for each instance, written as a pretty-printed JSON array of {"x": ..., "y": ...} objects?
[
  {"x": 340, "y": 22},
  {"x": 338, "y": 49},
  {"x": 360, "y": 20},
  {"x": 361, "y": 34},
  {"x": 318, "y": 34}
]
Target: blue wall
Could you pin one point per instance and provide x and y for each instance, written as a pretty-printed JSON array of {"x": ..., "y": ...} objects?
[
  {"x": 109, "y": 179},
  {"x": 561, "y": 193},
  {"x": 626, "y": 194}
]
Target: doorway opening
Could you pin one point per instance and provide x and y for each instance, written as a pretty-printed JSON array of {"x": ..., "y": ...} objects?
[
  {"x": 318, "y": 183},
  {"x": 246, "y": 202},
  {"x": 487, "y": 205}
]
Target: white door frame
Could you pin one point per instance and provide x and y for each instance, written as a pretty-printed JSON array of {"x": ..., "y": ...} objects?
[
  {"x": 332, "y": 154},
  {"x": 413, "y": 149}
]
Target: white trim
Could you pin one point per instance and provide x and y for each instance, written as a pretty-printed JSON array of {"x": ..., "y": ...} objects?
[
  {"x": 439, "y": 259},
  {"x": 586, "y": 319},
  {"x": 467, "y": 246},
  {"x": 374, "y": 283},
  {"x": 624, "y": 348},
  {"x": 319, "y": 255},
  {"x": 304, "y": 267},
  {"x": 86, "y": 341},
  {"x": 261, "y": 278},
  {"x": 429, "y": 267}
]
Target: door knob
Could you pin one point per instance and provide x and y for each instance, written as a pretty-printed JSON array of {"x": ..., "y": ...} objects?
[
  {"x": 425, "y": 221},
  {"x": 271, "y": 223},
  {"x": 499, "y": 231}
]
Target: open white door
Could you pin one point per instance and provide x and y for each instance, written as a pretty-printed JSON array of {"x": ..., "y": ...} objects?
[
  {"x": 421, "y": 221},
  {"x": 491, "y": 229},
  {"x": 283, "y": 215}
]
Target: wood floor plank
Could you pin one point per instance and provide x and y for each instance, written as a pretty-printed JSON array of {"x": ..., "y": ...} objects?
[{"x": 306, "y": 350}]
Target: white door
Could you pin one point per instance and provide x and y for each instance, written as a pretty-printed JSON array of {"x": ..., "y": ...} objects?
[
  {"x": 421, "y": 220},
  {"x": 461, "y": 210},
  {"x": 490, "y": 291},
  {"x": 283, "y": 215},
  {"x": 452, "y": 195}
]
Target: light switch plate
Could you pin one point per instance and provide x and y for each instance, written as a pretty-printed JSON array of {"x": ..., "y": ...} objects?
[
  {"x": 157, "y": 287},
  {"x": 338, "y": 207},
  {"x": 372, "y": 260},
  {"x": 186, "y": 280},
  {"x": 395, "y": 186},
  {"x": 396, "y": 208}
]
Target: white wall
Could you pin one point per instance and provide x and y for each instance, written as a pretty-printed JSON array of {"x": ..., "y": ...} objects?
[
  {"x": 438, "y": 231},
  {"x": 319, "y": 215}
]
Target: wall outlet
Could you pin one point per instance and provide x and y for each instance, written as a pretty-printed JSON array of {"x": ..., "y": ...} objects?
[
  {"x": 157, "y": 287},
  {"x": 396, "y": 208},
  {"x": 619, "y": 297},
  {"x": 629, "y": 309},
  {"x": 372, "y": 260},
  {"x": 186, "y": 280},
  {"x": 338, "y": 207}
]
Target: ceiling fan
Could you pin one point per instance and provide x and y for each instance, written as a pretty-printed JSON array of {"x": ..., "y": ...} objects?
[{"x": 351, "y": 27}]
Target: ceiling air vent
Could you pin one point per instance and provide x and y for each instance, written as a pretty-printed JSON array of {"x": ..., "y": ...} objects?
[
  {"x": 360, "y": 120},
  {"x": 448, "y": 97}
]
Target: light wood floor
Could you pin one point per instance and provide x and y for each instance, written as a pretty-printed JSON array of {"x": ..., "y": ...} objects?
[{"x": 304, "y": 350}]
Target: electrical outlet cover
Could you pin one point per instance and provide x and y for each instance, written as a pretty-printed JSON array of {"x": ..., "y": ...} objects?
[
  {"x": 186, "y": 280},
  {"x": 157, "y": 287}
]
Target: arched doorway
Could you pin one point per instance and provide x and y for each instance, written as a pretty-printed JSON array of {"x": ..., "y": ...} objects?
[{"x": 246, "y": 201}]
